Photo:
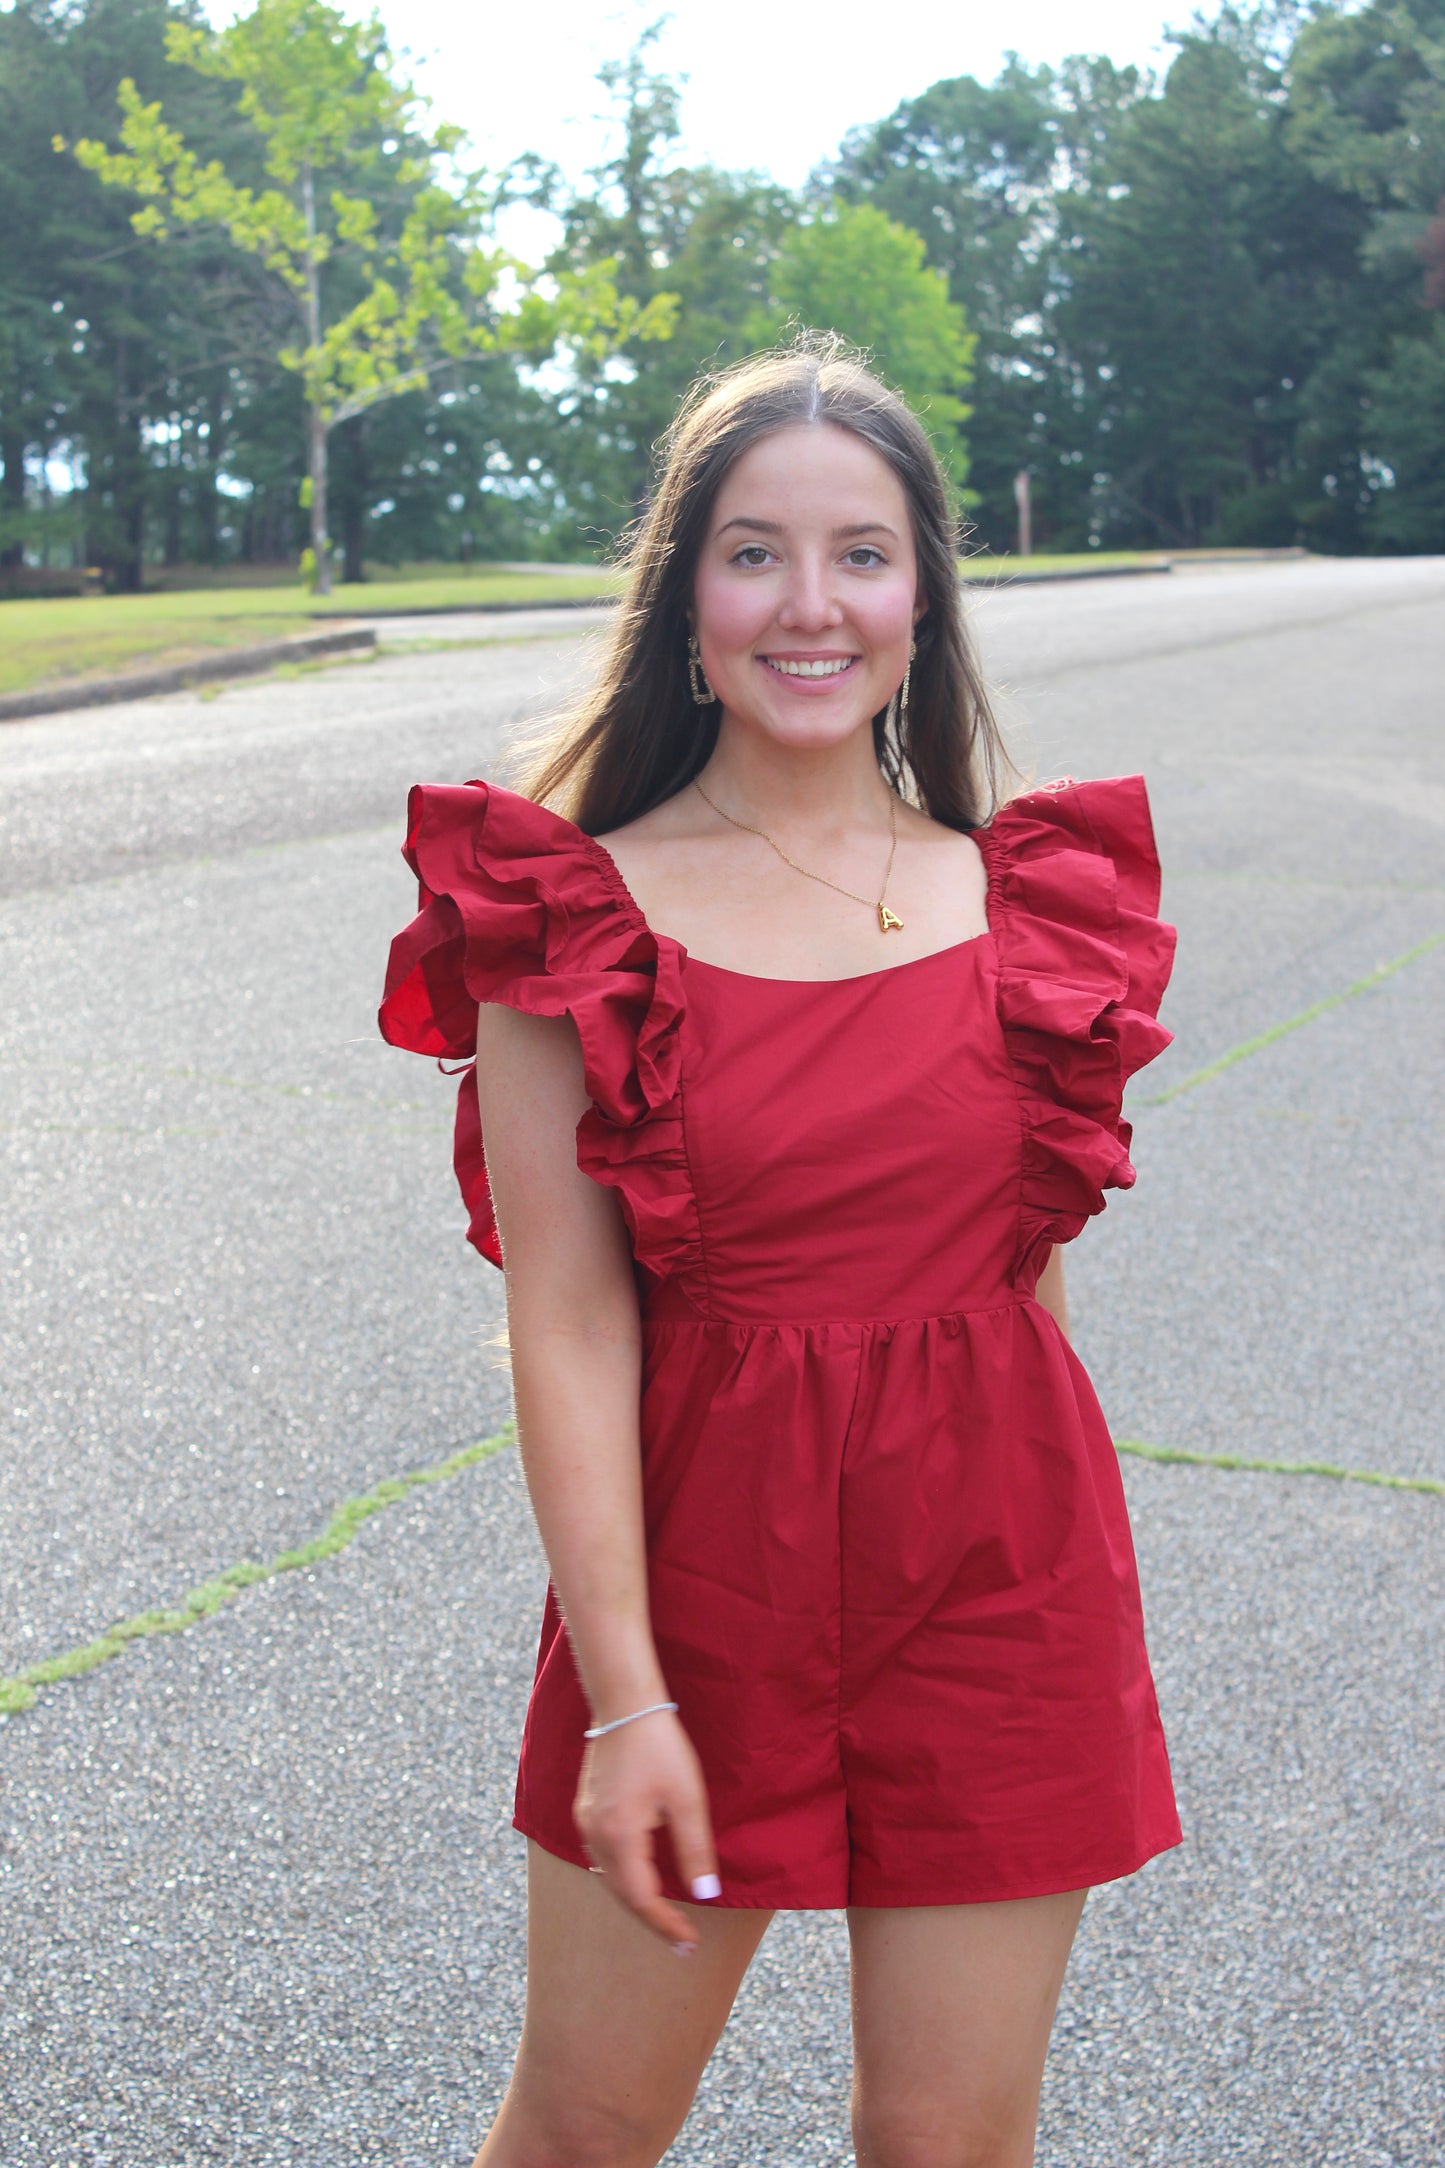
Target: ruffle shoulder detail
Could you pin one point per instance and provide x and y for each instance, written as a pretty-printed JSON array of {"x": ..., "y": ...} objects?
[
  {"x": 1083, "y": 958},
  {"x": 519, "y": 905}
]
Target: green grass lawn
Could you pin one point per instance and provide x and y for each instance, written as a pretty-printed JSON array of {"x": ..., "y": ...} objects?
[
  {"x": 82, "y": 636},
  {"x": 45, "y": 642},
  {"x": 441, "y": 589}
]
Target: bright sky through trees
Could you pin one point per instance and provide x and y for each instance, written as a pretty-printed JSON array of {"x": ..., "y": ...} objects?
[{"x": 773, "y": 86}]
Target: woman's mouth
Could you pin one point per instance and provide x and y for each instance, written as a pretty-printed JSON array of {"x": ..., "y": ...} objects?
[{"x": 809, "y": 666}]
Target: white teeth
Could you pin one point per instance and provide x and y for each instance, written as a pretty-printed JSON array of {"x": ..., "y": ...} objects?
[{"x": 810, "y": 669}]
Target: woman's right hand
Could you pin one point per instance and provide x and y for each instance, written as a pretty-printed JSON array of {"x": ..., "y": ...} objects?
[
  {"x": 577, "y": 1359},
  {"x": 633, "y": 1781}
]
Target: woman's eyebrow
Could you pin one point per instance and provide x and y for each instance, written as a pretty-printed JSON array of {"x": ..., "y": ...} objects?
[{"x": 773, "y": 526}]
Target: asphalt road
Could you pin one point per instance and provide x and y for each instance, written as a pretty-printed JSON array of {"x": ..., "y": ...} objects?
[{"x": 261, "y": 1901}]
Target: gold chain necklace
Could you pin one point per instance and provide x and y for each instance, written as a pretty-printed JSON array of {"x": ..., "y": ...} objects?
[{"x": 888, "y": 921}]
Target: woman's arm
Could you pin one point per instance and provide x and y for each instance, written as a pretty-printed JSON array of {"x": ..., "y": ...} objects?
[
  {"x": 576, "y": 1371},
  {"x": 1050, "y": 1290}
]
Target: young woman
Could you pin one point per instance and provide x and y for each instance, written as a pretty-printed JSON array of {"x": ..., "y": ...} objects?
[{"x": 798, "y": 1056}]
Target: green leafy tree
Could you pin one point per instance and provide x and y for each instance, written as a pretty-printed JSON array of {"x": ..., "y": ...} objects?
[
  {"x": 854, "y": 271},
  {"x": 379, "y": 305},
  {"x": 718, "y": 239},
  {"x": 1407, "y": 435},
  {"x": 1367, "y": 102},
  {"x": 740, "y": 260},
  {"x": 112, "y": 353},
  {"x": 970, "y": 167},
  {"x": 34, "y": 336},
  {"x": 451, "y": 473},
  {"x": 1204, "y": 275},
  {"x": 1367, "y": 114},
  {"x": 696, "y": 238}
]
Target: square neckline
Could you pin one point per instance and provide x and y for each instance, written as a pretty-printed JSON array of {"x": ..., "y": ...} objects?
[
  {"x": 847, "y": 978},
  {"x": 612, "y": 872}
]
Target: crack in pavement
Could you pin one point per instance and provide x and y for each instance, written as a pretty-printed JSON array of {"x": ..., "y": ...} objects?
[
  {"x": 1263, "y": 1039},
  {"x": 1170, "y": 1455},
  {"x": 19, "y": 1691}
]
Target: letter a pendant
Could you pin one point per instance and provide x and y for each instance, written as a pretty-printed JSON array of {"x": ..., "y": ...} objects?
[{"x": 888, "y": 922}]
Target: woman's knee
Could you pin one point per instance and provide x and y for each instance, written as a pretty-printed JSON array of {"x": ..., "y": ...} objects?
[
  {"x": 548, "y": 2132},
  {"x": 917, "y": 2134}
]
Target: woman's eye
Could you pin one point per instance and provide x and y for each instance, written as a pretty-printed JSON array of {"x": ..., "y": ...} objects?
[
  {"x": 866, "y": 554},
  {"x": 752, "y": 553}
]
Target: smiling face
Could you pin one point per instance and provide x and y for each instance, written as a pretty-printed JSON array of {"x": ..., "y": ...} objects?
[{"x": 806, "y": 589}]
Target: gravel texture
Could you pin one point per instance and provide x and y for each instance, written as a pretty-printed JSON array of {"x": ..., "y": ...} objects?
[{"x": 262, "y": 1901}]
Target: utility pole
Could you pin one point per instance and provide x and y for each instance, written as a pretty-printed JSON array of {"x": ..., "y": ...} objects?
[{"x": 1023, "y": 498}]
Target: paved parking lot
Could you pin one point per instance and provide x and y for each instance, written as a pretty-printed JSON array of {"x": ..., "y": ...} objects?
[{"x": 262, "y": 1899}]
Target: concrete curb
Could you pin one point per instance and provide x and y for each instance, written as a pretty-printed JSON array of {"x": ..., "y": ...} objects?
[
  {"x": 145, "y": 684},
  {"x": 1292, "y": 554},
  {"x": 1001, "y": 577},
  {"x": 480, "y": 609}
]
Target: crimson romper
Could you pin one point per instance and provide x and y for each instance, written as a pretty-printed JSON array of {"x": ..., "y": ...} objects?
[{"x": 891, "y": 1576}]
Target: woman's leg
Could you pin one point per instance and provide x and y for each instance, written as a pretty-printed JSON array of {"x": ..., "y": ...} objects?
[
  {"x": 618, "y": 2027},
  {"x": 952, "y": 2006}
]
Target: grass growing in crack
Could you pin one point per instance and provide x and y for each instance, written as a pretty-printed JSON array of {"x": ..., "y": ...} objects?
[
  {"x": 1180, "y": 1455},
  {"x": 1263, "y": 1039},
  {"x": 19, "y": 1692}
]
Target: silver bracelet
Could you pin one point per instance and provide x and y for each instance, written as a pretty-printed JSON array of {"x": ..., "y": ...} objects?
[{"x": 651, "y": 1710}]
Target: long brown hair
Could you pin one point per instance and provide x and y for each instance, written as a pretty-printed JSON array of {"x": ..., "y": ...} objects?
[{"x": 637, "y": 737}]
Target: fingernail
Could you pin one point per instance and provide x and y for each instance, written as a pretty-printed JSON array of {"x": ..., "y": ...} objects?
[
  {"x": 705, "y": 1886},
  {"x": 684, "y": 1949}
]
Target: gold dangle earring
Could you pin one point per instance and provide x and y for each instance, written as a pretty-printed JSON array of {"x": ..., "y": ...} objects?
[
  {"x": 702, "y": 692},
  {"x": 896, "y": 718}
]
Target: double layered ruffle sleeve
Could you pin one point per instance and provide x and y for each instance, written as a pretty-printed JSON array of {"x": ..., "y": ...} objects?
[
  {"x": 518, "y": 905},
  {"x": 1083, "y": 961}
]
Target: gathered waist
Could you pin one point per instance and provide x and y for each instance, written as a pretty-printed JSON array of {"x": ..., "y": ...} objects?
[{"x": 667, "y": 1309}]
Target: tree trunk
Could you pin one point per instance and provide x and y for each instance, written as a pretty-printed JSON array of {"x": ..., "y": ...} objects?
[
  {"x": 353, "y": 543},
  {"x": 208, "y": 505},
  {"x": 353, "y": 504},
  {"x": 316, "y": 467},
  {"x": 132, "y": 529},
  {"x": 12, "y": 482},
  {"x": 315, "y": 420},
  {"x": 123, "y": 550},
  {"x": 171, "y": 545}
]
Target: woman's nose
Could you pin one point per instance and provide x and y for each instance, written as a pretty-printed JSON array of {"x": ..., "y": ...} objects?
[{"x": 811, "y": 601}]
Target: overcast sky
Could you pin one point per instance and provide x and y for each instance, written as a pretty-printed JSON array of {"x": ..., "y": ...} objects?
[{"x": 771, "y": 83}]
